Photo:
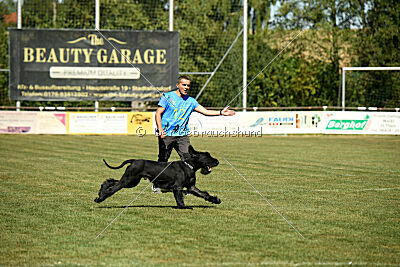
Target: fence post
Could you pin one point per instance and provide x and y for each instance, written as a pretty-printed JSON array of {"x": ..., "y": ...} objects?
[
  {"x": 19, "y": 13},
  {"x": 19, "y": 26},
  {"x": 245, "y": 7},
  {"x": 97, "y": 26},
  {"x": 171, "y": 15},
  {"x": 97, "y": 15},
  {"x": 343, "y": 87}
]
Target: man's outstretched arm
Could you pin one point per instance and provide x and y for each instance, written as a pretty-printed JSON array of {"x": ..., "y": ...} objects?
[{"x": 225, "y": 112}]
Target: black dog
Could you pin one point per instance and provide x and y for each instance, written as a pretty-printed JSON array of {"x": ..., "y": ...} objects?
[{"x": 173, "y": 176}]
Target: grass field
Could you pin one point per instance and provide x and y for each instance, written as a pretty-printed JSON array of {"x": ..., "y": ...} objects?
[{"x": 341, "y": 192}]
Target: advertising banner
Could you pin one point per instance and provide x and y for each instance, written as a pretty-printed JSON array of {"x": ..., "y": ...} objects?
[
  {"x": 257, "y": 123},
  {"x": 74, "y": 65},
  {"x": 140, "y": 123},
  {"x": 361, "y": 122},
  {"x": 238, "y": 125},
  {"x": 293, "y": 122},
  {"x": 284, "y": 122},
  {"x": 33, "y": 122},
  {"x": 133, "y": 123},
  {"x": 97, "y": 123},
  {"x": 243, "y": 124}
]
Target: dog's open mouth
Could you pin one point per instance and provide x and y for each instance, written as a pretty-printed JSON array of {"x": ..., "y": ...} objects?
[{"x": 206, "y": 170}]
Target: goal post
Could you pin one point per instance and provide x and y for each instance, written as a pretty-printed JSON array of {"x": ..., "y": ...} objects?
[{"x": 344, "y": 69}]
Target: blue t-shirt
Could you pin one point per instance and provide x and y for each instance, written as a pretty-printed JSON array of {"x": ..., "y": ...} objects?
[{"x": 175, "y": 118}]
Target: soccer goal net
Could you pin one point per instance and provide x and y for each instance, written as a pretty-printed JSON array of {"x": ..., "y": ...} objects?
[{"x": 371, "y": 87}]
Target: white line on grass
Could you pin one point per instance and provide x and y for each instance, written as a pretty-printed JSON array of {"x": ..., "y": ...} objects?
[
  {"x": 51, "y": 194},
  {"x": 255, "y": 189},
  {"x": 285, "y": 263},
  {"x": 354, "y": 190},
  {"x": 132, "y": 201},
  {"x": 274, "y": 263},
  {"x": 310, "y": 190},
  {"x": 350, "y": 263}
]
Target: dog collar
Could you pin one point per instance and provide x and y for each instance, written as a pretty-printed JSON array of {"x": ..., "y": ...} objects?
[{"x": 190, "y": 166}]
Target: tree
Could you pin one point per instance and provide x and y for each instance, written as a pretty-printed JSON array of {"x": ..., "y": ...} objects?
[
  {"x": 289, "y": 81},
  {"x": 334, "y": 33},
  {"x": 6, "y": 8},
  {"x": 378, "y": 46},
  {"x": 259, "y": 15},
  {"x": 327, "y": 22}
]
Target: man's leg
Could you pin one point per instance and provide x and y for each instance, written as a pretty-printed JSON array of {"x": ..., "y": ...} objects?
[
  {"x": 182, "y": 147},
  {"x": 165, "y": 146}
]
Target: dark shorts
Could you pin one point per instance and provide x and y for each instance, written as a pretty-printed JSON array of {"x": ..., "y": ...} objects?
[{"x": 179, "y": 143}]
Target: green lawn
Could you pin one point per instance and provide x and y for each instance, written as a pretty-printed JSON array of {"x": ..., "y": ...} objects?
[{"x": 341, "y": 192}]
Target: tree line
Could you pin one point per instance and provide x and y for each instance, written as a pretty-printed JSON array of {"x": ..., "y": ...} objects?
[{"x": 331, "y": 34}]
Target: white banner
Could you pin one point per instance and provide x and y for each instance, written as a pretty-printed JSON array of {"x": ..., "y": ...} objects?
[
  {"x": 33, "y": 122},
  {"x": 257, "y": 123},
  {"x": 355, "y": 122},
  {"x": 97, "y": 123},
  {"x": 296, "y": 122},
  {"x": 242, "y": 124}
]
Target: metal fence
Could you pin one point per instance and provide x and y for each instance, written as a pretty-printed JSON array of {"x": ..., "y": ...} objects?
[
  {"x": 207, "y": 34},
  {"x": 212, "y": 51}
]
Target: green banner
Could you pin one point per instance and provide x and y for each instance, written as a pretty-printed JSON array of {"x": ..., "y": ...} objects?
[{"x": 357, "y": 125}]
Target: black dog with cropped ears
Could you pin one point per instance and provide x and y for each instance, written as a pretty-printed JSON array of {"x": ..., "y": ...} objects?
[{"x": 174, "y": 176}]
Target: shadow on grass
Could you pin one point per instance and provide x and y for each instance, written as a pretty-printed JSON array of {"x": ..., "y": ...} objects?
[{"x": 154, "y": 206}]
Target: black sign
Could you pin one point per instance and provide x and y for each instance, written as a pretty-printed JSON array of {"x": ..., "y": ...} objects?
[{"x": 69, "y": 65}]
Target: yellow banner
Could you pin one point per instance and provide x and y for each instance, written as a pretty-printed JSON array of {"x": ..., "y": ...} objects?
[{"x": 140, "y": 123}]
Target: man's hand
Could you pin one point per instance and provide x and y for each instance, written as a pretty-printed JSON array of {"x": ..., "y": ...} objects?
[
  {"x": 162, "y": 134},
  {"x": 159, "y": 112},
  {"x": 227, "y": 112}
]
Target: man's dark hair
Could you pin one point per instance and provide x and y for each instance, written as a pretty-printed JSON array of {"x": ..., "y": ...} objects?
[{"x": 183, "y": 77}]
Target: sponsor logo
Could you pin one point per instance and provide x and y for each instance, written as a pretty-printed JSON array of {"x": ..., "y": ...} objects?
[
  {"x": 274, "y": 121},
  {"x": 95, "y": 40},
  {"x": 279, "y": 121},
  {"x": 352, "y": 125}
]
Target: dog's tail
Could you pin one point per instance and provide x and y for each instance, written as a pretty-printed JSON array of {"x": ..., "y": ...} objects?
[{"x": 120, "y": 166}]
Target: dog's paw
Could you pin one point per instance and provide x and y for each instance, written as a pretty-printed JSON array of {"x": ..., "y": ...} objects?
[
  {"x": 215, "y": 200},
  {"x": 97, "y": 200}
]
